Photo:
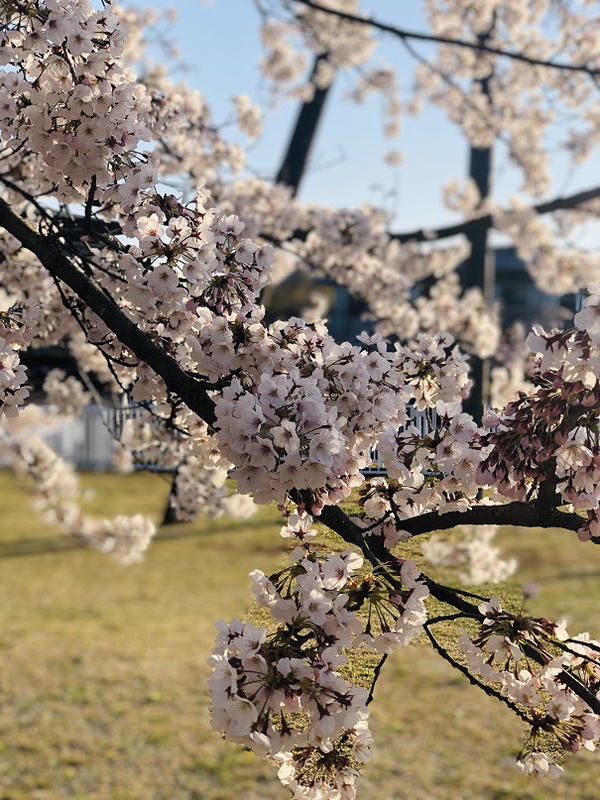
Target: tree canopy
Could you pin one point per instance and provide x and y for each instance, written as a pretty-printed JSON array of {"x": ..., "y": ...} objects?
[{"x": 130, "y": 232}]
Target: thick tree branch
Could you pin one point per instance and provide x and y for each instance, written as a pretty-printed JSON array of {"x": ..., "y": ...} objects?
[
  {"x": 333, "y": 517},
  {"x": 524, "y": 515},
  {"x": 402, "y": 33},
  {"x": 49, "y": 253}
]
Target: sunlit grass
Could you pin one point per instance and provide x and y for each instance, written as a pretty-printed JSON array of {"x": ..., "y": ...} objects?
[{"x": 103, "y": 668}]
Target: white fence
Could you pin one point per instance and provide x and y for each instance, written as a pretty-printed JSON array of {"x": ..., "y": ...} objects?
[{"x": 83, "y": 440}]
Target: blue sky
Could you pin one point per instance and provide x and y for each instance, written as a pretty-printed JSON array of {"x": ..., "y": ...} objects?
[{"x": 219, "y": 42}]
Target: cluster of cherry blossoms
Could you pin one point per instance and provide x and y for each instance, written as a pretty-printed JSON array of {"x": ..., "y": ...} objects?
[
  {"x": 69, "y": 107},
  {"x": 546, "y": 440},
  {"x": 200, "y": 489},
  {"x": 549, "y": 438},
  {"x": 12, "y": 379},
  {"x": 58, "y": 497},
  {"x": 471, "y": 555},
  {"x": 437, "y": 471},
  {"x": 182, "y": 447},
  {"x": 525, "y": 661},
  {"x": 312, "y": 409},
  {"x": 556, "y": 270},
  {"x": 65, "y": 392},
  {"x": 281, "y": 692},
  {"x": 537, "y": 30},
  {"x": 354, "y": 248}
]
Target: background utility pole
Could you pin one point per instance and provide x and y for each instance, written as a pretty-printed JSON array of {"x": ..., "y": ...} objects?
[
  {"x": 478, "y": 271},
  {"x": 296, "y": 157}
]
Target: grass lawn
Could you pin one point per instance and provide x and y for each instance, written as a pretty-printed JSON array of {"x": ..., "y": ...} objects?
[{"x": 103, "y": 668}]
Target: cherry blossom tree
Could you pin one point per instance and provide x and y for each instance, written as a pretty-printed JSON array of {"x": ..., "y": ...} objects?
[{"x": 161, "y": 288}]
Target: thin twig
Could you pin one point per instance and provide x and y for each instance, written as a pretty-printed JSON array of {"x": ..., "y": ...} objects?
[
  {"x": 376, "y": 673},
  {"x": 489, "y": 690}
]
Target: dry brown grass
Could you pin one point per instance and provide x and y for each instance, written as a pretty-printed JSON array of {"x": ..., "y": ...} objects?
[{"x": 103, "y": 669}]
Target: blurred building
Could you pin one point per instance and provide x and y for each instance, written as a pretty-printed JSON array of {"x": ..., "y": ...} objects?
[{"x": 522, "y": 301}]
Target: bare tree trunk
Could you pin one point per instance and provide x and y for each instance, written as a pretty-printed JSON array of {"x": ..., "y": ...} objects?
[{"x": 170, "y": 515}]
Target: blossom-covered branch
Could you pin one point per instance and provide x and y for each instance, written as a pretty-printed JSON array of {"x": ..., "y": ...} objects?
[
  {"x": 573, "y": 201},
  {"x": 51, "y": 256},
  {"x": 403, "y": 33}
]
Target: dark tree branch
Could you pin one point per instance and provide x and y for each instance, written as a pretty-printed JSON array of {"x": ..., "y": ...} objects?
[
  {"x": 50, "y": 254},
  {"x": 402, "y": 33},
  {"x": 376, "y": 673},
  {"x": 573, "y": 201},
  {"x": 524, "y": 515},
  {"x": 454, "y": 598},
  {"x": 89, "y": 205},
  {"x": 464, "y": 228},
  {"x": 485, "y": 688},
  {"x": 578, "y": 688},
  {"x": 333, "y": 517}
]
